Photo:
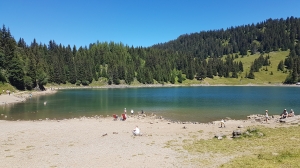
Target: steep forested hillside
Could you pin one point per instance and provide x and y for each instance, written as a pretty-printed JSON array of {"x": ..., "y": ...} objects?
[
  {"x": 208, "y": 54},
  {"x": 266, "y": 36}
]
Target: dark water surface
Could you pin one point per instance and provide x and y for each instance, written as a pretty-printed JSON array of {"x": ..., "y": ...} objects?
[{"x": 202, "y": 104}]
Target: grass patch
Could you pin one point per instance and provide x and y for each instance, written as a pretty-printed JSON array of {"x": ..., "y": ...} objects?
[
  {"x": 283, "y": 158},
  {"x": 200, "y": 131},
  {"x": 170, "y": 143},
  {"x": 260, "y": 147}
]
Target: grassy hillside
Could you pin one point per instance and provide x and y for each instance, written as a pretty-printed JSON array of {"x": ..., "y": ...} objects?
[{"x": 262, "y": 77}]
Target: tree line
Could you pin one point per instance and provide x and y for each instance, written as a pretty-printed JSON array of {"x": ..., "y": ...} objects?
[{"x": 198, "y": 55}]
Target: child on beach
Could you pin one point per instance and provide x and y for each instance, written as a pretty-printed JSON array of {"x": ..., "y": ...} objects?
[
  {"x": 267, "y": 116},
  {"x": 222, "y": 123}
]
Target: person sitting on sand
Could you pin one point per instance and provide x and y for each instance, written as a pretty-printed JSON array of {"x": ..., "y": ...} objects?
[
  {"x": 292, "y": 113},
  {"x": 136, "y": 131},
  {"x": 284, "y": 114},
  {"x": 222, "y": 123},
  {"x": 123, "y": 116}
]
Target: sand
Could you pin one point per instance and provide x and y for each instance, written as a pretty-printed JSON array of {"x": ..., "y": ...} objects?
[{"x": 103, "y": 142}]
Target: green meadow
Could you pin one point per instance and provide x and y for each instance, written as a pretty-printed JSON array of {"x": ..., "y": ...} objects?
[
  {"x": 266, "y": 76},
  {"x": 262, "y": 147}
]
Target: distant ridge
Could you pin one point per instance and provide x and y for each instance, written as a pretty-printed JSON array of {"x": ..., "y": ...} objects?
[{"x": 266, "y": 36}]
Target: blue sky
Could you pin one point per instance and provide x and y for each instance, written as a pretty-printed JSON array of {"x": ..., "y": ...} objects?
[{"x": 132, "y": 22}]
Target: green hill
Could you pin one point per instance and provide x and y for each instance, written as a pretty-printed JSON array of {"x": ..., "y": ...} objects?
[{"x": 266, "y": 76}]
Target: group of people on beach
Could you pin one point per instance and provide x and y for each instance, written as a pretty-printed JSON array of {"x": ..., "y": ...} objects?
[
  {"x": 123, "y": 116},
  {"x": 136, "y": 131},
  {"x": 283, "y": 115}
]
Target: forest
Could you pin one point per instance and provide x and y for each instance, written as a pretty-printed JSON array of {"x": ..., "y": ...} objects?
[{"x": 206, "y": 54}]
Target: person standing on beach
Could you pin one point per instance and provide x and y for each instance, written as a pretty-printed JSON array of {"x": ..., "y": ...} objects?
[
  {"x": 267, "y": 116},
  {"x": 131, "y": 112},
  {"x": 222, "y": 123}
]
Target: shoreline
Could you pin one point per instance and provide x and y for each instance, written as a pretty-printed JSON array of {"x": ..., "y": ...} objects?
[
  {"x": 22, "y": 96},
  {"x": 91, "y": 142},
  {"x": 167, "y": 85}
]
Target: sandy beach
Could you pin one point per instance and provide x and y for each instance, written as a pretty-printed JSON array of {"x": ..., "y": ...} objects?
[{"x": 103, "y": 142}]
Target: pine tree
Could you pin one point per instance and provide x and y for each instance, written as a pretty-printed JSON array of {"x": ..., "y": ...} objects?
[{"x": 280, "y": 66}]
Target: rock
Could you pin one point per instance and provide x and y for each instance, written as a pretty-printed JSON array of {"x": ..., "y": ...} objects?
[
  {"x": 240, "y": 126},
  {"x": 169, "y": 123},
  {"x": 260, "y": 134},
  {"x": 115, "y": 132},
  {"x": 252, "y": 129},
  {"x": 184, "y": 127},
  {"x": 104, "y": 134},
  {"x": 258, "y": 119},
  {"x": 219, "y": 135},
  {"x": 236, "y": 133},
  {"x": 151, "y": 122},
  {"x": 220, "y": 138}
]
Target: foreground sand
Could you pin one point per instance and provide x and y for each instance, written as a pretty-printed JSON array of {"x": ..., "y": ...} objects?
[{"x": 102, "y": 142}]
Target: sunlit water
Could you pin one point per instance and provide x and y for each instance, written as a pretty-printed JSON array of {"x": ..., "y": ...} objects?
[{"x": 201, "y": 104}]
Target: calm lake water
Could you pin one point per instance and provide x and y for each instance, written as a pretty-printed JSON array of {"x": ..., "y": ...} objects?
[{"x": 201, "y": 104}]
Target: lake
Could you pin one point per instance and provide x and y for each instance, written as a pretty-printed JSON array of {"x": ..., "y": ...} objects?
[{"x": 201, "y": 104}]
